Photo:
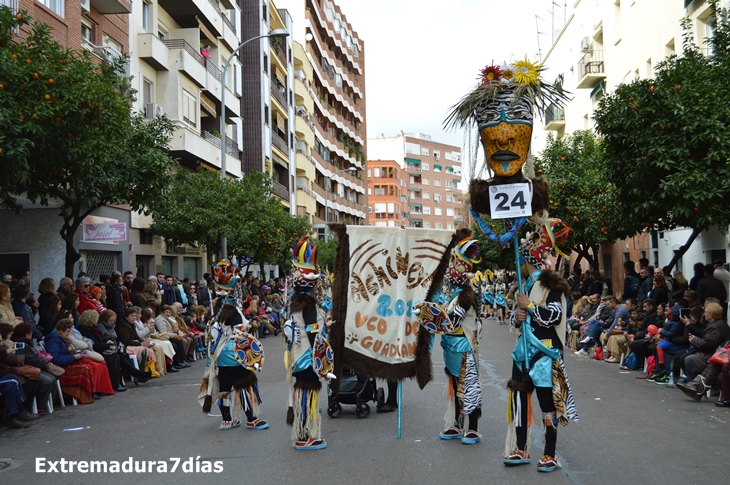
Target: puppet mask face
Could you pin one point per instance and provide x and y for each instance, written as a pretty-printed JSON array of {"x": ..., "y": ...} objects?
[
  {"x": 305, "y": 274},
  {"x": 505, "y": 127}
]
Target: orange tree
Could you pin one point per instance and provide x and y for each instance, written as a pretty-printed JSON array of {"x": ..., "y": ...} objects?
[
  {"x": 581, "y": 194},
  {"x": 667, "y": 140},
  {"x": 67, "y": 136}
]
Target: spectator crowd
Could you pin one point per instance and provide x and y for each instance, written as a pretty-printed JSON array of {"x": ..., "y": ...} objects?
[
  {"x": 89, "y": 338},
  {"x": 672, "y": 328}
]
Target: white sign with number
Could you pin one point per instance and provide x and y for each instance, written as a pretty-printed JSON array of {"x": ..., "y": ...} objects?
[{"x": 510, "y": 200}]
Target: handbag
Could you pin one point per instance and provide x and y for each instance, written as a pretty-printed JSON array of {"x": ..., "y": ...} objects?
[
  {"x": 25, "y": 370},
  {"x": 95, "y": 356},
  {"x": 54, "y": 369},
  {"x": 720, "y": 357}
]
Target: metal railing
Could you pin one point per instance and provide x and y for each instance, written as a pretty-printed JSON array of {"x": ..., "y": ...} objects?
[
  {"x": 591, "y": 62},
  {"x": 213, "y": 69},
  {"x": 231, "y": 145},
  {"x": 281, "y": 190},
  {"x": 554, "y": 113},
  {"x": 278, "y": 95},
  {"x": 279, "y": 142},
  {"x": 183, "y": 44},
  {"x": 231, "y": 24}
]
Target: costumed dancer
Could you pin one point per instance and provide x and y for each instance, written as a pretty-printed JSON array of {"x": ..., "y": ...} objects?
[
  {"x": 488, "y": 296},
  {"x": 538, "y": 356},
  {"x": 454, "y": 314},
  {"x": 235, "y": 356},
  {"x": 500, "y": 300},
  {"x": 309, "y": 358}
]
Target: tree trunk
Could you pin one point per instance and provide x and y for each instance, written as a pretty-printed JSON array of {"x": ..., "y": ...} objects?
[
  {"x": 68, "y": 231},
  {"x": 262, "y": 275},
  {"x": 683, "y": 249}
]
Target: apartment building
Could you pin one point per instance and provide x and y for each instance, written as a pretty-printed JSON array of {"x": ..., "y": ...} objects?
[
  {"x": 306, "y": 171},
  {"x": 424, "y": 174},
  {"x": 102, "y": 27},
  {"x": 602, "y": 45},
  {"x": 337, "y": 56}
]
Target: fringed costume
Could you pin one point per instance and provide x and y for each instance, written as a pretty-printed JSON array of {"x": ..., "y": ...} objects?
[
  {"x": 235, "y": 356},
  {"x": 500, "y": 300},
  {"x": 454, "y": 314},
  {"x": 309, "y": 358},
  {"x": 538, "y": 356}
]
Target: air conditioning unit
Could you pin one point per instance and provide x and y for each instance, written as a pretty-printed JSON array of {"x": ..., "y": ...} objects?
[
  {"x": 85, "y": 6},
  {"x": 585, "y": 44},
  {"x": 153, "y": 110},
  {"x": 420, "y": 170}
]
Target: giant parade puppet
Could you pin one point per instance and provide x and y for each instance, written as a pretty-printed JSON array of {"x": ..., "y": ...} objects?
[
  {"x": 235, "y": 356},
  {"x": 502, "y": 108}
]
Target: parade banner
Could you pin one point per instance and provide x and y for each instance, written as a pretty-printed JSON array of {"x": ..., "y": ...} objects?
[{"x": 381, "y": 272}]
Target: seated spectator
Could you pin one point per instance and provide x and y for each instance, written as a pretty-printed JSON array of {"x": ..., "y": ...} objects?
[
  {"x": 71, "y": 304},
  {"x": 673, "y": 328},
  {"x": 42, "y": 387},
  {"x": 7, "y": 314},
  {"x": 179, "y": 327},
  {"x": 145, "y": 329},
  {"x": 84, "y": 378},
  {"x": 617, "y": 341},
  {"x": 715, "y": 334},
  {"x": 17, "y": 405},
  {"x": 86, "y": 301},
  {"x": 692, "y": 299},
  {"x": 691, "y": 327},
  {"x": 48, "y": 311},
  {"x": 65, "y": 287},
  {"x": 163, "y": 324},
  {"x": 106, "y": 325},
  {"x": 608, "y": 315},
  {"x": 638, "y": 342},
  {"x": 95, "y": 292},
  {"x": 660, "y": 291},
  {"x": 589, "y": 309},
  {"x": 142, "y": 349},
  {"x": 6, "y": 330},
  {"x": 88, "y": 326}
]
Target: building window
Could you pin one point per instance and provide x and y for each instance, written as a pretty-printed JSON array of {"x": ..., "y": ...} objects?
[
  {"x": 450, "y": 212},
  {"x": 449, "y": 198},
  {"x": 148, "y": 95},
  {"x": 437, "y": 211},
  {"x": 425, "y": 181},
  {"x": 438, "y": 225},
  {"x": 369, "y": 175},
  {"x": 424, "y": 166},
  {"x": 437, "y": 182},
  {"x": 376, "y": 172},
  {"x": 145, "y": 236},
  {"x": 427, "y": 195},
  {"x": 55, "y": 5},
  {"x": 426, "y": 210},
  {"x": 424, "y": 151},
  {"x": 146, "y": 15},
  {"x": 87, "y": 33},
  {"x": 190, "y": 108},
  {"x": 437, "y": 198},
  {"x": 437, "y": 155},
  {"x": 370, "y": 191}
]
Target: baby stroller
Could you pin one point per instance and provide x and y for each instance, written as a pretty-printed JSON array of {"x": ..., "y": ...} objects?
[{"x": 357, "y": 390}]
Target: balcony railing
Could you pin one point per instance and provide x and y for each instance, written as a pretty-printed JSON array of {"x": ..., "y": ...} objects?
[
  {"x": 231, "y": 145},
  {"x": 213, "y": 69},
  {"x": 183, "y": 44},
  {"x": 279, "y": 142},
  {"x": 281, "y": 190},
  {"x": 278, "y": 95},
  {"x": 591, "y": 68},
  {"x": 554, "y": 117},
  {"x": 230, "y": 22}
]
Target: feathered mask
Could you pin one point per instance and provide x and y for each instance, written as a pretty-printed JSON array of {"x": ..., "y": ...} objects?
[
  {"x": 463, "y": 258},
  {"x": 226, "y": 275},
  {"x": 305, "y": 271},
  {"x": 538, "y": 245}
]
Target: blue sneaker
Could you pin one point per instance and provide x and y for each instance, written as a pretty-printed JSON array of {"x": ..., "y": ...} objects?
[
  {"x": 517, "y": 457},
  {"x": 547, "y": 464},
  {"x": 311, "y": 444},
  {"x": 451, "y": 434},
  {"x": 471, "y": 438},
  {"x": 257, "y": 424}
]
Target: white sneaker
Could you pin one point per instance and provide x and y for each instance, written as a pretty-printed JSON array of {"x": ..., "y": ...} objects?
[
  {"x": 586, "y": 340},
  {"x": 581, "y": 352}
]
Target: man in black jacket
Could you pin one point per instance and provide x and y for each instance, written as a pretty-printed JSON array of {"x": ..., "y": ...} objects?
[
  {"x": 645, "y": 284},
  {"x": 115, "y": 295},
  {"x": 638, "y": 343},
  {"x": 171, "y": 293},
  {"x": 711, "y": 287}
]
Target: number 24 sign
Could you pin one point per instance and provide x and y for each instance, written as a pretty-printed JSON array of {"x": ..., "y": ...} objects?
[{"x": 510, "y": 200}]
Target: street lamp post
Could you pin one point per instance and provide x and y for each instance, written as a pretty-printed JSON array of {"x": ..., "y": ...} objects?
[
  {"x": 277, "y": 33},
  {"x": 326, "y": 199}
]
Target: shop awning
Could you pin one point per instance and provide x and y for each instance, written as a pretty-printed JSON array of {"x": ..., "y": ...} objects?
[
  {"x": 414, "y": 189},
  {"x": 415, "y": 205},
  {"x": 414, "y": 161},
  {"x": 598, "y": 89},
  {"x": 416, "y": 221},
  {"x": 437, "y": 166}
]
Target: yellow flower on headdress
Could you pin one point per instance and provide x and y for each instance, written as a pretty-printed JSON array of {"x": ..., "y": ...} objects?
[{"x": 527, "y": 72}]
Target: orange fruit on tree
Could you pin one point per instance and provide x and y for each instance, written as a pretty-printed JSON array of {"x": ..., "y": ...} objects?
[
  {"x": 36, "y": 75},
  {"x": 51, "y": 81},
  {"x": 14, "y": 56},
  {"x": 28, "y": 61},
  {"x": 19, "y": 16},
  {"x": 47, "y": 97}
]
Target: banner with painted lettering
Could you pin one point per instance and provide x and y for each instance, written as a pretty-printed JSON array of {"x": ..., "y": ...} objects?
[{"x": 390, "y": 270}]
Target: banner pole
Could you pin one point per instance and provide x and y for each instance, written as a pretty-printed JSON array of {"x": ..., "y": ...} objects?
[{"x": 400, "y": 405}]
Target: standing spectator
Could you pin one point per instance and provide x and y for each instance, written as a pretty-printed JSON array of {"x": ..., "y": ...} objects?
[
  {"x": 722, "y": 274},
  {"x": 711, "y": 287},
  {"x": 128, "y": 279},
  {"x": 152, "y": 296},
  {"x": 114, "y": 294},
  {"x": 7, "y": 313},
  {"x": 48, "y": 311},
  {"x": 645, "y": 284},
  {"x": 205, "y": 52},
  {"x": 659, "y": 292},
  {"x": 631, "y": 281},
  {"x": 65, "y": 286},
  {"x": 608, "y": 284},
  {"x": 682, "y": 285},
  {"x": 160, "y": 281},
  {"x": 23, "y": 310},
  {"x": 136, "y": 294},
  {"x": 204, "y": 295},
  {"x": 192, "y": 294},
  {"x": 171, "y": 293},
  {"x": 671, "y": 284},
  {"x": 699, "y": 270},
  {"x": 46, "y": 291}
]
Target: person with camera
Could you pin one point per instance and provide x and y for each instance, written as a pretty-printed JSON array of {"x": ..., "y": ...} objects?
[{"x": 43, "y": 385}]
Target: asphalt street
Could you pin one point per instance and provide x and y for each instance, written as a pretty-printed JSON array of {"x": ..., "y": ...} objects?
[{"x": 629, "y": 430}]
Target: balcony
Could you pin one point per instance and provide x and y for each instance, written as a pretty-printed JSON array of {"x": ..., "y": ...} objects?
[
  {"x": 275, "y": 93},
  {"x": 153, "y": 51},
  {"x": 192, "y": 148},
  {"x": 279, "y": 142},
  {"x": 231, "y": 145},
  {"x": 591, "y": 69},
  {"x": 554, "y": 118},
  {"x": 281, "y": 191},
  {"x": 187, "y": 59},
  {"x": 188, "y": 14},
  {"x": 112, "y": 6}
]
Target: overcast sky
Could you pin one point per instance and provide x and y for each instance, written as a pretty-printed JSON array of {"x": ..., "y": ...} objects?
[{"x": 421, "y": 56}]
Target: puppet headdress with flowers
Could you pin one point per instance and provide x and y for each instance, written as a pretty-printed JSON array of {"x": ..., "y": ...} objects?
[
  {"x": 226, "y": 275},
  {"x": 522, "y": 77},
  {"x": 305, "y": 271}
]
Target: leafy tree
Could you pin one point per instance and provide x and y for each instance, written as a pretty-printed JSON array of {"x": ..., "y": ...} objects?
[
  {"x": 68, "y": 136},
  {"x": 196, "y": 209},
  {"x": 326, "y": 252},
  {"x": 667, "y": 140},
  {"x": 493, "y": 257},
  {"x": 263, "y": 230},
  {"x": 581, "y": 194}
]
